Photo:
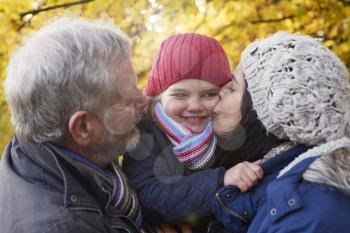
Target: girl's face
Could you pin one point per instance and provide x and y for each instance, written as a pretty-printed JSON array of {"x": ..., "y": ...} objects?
[
  {"x": 227, "y": 113},
  {"x": 190, "y": 102}
]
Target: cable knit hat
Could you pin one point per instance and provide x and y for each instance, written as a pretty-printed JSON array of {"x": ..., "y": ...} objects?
[
  {"x": 188, "y": 55},
  {"x": 300, "y": 89}
]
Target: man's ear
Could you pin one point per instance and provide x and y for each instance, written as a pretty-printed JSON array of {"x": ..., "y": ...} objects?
[{"x": 80, "y": 128}]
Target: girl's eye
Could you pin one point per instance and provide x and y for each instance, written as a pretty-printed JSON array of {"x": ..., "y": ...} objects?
[
  {"x": 211, "y": 94},
  {"x": 179, "y": 95}
]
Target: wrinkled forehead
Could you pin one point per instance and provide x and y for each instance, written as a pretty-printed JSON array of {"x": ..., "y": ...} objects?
[{"x": 124, "y": 81}]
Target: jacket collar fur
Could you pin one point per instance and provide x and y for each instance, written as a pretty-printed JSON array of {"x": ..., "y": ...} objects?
[{"x": 332, "y": 167}]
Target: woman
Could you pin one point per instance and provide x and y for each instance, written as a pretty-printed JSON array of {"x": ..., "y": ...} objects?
[{"x": 300, "y": 92}]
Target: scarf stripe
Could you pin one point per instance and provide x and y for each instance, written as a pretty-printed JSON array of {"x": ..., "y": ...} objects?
[
  {"x": 125, "y": 199},
  {"x": 176, "y": 131},
  {"x": 194, "y": 150},
  {"x": 194, "y": 142}
]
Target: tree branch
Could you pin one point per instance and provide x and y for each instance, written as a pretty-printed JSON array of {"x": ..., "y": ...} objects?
[
  {"x": 68, "y": 4},
  {"x": 271, "y": 20},
  {"x": 195, "y": 28},
  {"x": 224, "y": 28},
  {"x": 37, "y": 11}
]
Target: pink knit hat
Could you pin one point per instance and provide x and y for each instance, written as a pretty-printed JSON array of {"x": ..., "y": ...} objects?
[{"x": 188, "y": 55}]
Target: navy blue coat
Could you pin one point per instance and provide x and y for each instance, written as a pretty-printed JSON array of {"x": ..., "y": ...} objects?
[
  {"x": 284, "y": 204},
  {"x": 168, "y": 191}
]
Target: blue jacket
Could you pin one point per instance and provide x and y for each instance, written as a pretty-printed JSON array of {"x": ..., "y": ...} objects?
[
  {"x": 168, "y": 191},
  {"x": 284, "y": 204},
  {"x": 44, "y": 191}
]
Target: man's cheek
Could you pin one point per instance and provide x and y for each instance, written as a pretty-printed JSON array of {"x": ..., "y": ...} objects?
[{"x": 122, "y": 122}]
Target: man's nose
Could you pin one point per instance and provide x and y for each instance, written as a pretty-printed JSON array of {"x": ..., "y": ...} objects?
[{"x": 141, "y": 103}]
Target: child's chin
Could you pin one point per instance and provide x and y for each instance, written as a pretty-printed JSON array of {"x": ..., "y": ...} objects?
[{"x": 198, "y": 129}]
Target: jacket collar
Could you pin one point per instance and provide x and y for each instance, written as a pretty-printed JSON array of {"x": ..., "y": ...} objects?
[
  {"x": 244, "y": 204},
  {"x": 74, "y": 178},
  {"x": 277, "y": 163},
  {"x": 331, "y": 167},
  {"x": 282, "y": 193}
]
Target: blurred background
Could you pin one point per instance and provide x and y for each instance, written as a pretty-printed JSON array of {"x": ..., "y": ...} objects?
[{"x": 233, "y": 23}]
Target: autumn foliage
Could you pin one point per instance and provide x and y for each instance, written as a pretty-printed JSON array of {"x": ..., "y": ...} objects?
[{"x": 233, "y": 23}]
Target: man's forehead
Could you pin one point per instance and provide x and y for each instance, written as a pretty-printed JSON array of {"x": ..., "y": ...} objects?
[{"x": 124, "y": 72}]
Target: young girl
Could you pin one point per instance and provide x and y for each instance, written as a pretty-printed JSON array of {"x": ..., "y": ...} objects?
[{"x": 176, "y": 167}]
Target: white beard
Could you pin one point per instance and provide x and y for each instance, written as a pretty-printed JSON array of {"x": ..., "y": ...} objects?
[{"x": 133, "y": 141}]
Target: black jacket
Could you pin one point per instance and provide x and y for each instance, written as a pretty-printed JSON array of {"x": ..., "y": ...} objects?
[
  {"x": 168, "y": 191},
  {"x": 42, "y": 191}
]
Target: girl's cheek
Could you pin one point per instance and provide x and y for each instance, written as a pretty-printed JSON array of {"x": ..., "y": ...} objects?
[{"x": 210, "y": 105}]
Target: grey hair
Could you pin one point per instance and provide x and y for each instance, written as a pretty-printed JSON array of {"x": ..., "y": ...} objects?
[{"x": 64, "y": 67}]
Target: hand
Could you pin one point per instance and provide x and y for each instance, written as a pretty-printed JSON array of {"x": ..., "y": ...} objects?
[{"x": 244, "y": 175}]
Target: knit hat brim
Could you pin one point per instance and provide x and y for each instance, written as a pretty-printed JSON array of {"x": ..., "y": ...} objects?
[{"x": 186, "y": 56}]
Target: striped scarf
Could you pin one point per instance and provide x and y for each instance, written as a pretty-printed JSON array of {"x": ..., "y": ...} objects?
[
  {"x": 195, "y": 151},
  {"x": 124, "y": 200}
]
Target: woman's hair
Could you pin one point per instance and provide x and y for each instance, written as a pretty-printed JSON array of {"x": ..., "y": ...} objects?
[
  {"x": 246, "y": 102},
  {"x": 67, "y": 66}
]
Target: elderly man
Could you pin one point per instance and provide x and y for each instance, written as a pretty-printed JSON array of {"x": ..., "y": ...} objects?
[{"x": 72, "y": 94}]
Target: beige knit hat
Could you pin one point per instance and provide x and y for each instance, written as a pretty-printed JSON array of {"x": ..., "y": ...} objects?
[{"x": 300, "y": 89}]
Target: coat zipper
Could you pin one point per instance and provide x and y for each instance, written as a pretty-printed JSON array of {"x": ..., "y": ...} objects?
[{"x": 231, "y": 212}]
